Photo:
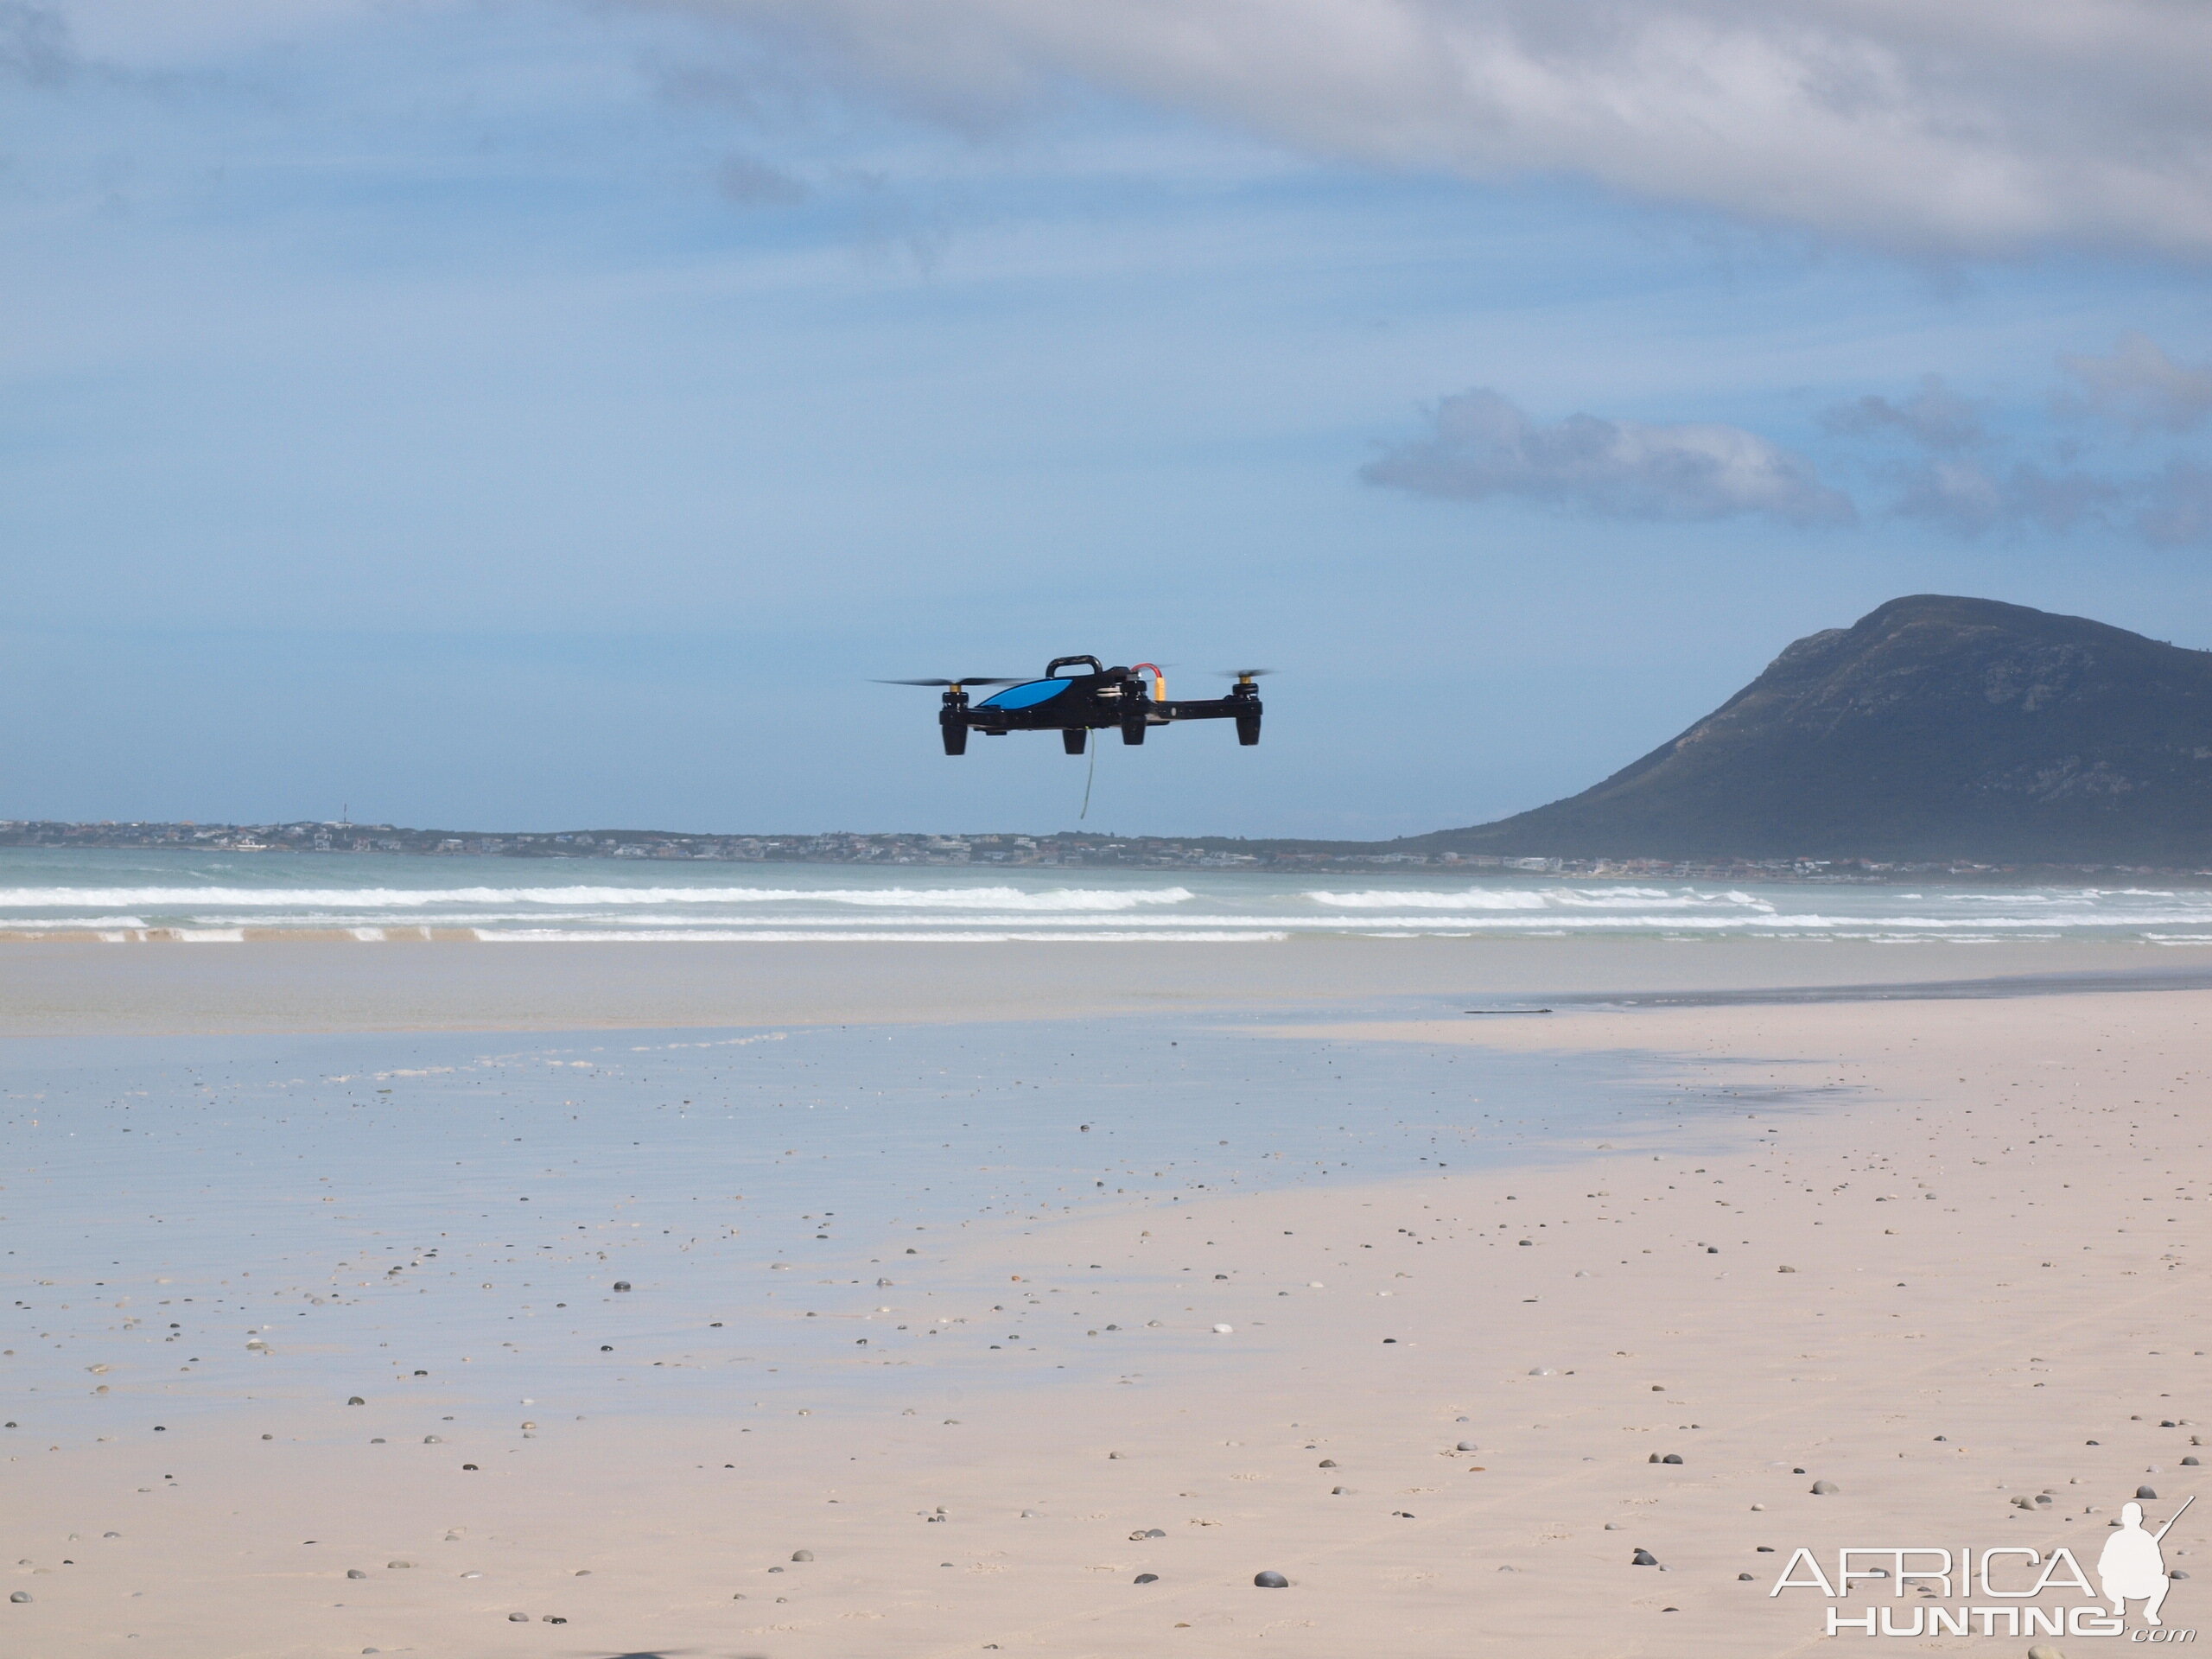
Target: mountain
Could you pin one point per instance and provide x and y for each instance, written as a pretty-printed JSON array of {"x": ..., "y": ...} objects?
[{"x": 1933, "y": 727}]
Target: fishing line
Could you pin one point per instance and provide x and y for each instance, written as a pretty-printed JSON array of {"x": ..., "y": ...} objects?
[{"x": 1091, "y": 743}]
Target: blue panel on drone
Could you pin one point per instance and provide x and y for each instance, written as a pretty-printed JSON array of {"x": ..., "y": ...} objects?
[{"x": 1027, "y": 695}]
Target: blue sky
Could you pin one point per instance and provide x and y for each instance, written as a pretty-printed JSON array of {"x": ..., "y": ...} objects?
[{"x": 533, "y": 416}]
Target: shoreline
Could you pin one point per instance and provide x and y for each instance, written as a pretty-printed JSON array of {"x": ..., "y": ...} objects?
[{"x": 323, "y": 986}]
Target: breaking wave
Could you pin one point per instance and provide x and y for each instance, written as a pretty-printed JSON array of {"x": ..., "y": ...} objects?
[{"x": 948, "y": 897}]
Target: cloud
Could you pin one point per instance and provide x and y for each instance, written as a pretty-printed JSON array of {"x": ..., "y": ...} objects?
[
  {"x": 1964, "y": 482},
  {"x": 2178, "y": 507},
  {"x": 746, "y": 182},
  {"x": 1968, "y": 127},
  {"x": 1934, "y": 416},
  {"x": 2140, "y": 385},
  {"x": 1480, "y": 445},
  {"x": 35, "y": 45},
  {"x": 1971, "y": 500}
]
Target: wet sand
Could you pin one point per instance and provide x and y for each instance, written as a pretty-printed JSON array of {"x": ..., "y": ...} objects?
[
  {"x": 304, "y": 985},
  {"x": 1943, "y": 1248}
]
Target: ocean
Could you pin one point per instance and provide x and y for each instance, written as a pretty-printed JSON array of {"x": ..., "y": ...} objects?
[{"x": 218, "y": 898}]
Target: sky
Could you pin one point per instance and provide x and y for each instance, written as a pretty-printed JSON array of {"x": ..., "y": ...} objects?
[{"x": 542, "y": 414}]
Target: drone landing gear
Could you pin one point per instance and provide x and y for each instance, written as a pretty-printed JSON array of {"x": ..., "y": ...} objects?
[
  {"x": 1248, "y": 729},
  {"x": 1133, "y": 730},
  {"x": 956, "y": 738},
  {"x": 1072, "y": 738}
]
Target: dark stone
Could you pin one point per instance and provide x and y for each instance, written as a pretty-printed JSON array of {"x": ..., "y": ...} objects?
[
  {"x": 1643, "y": 1558},
  {"x": 1147, "y": 1578},
  {"x": 2145, "y": 1492},
  {"x": 1672, "y": 1457},
  {"x": 1270, "y": 1581},
  {"x": 621, "y": 1284}
]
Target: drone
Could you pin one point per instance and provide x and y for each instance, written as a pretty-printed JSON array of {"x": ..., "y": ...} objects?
[{"x": 1075, "y": 705}]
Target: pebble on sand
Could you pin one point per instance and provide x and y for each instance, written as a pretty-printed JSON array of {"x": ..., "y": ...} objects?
[
  {"x": 21, "y": 1595},
  {"x": 2044, "y": 1650},
  {"x": 1825, "y": 1488},
  {"x": 357, "y": 1400},
  {"x": 1467, "y": 1445},
  {"x": 1643, "y": 1558},
  {"x": 2146, "y": 1492},
  {"x": 355, "y": 1572},
  {"x": 1224, "y": 1329},
  {"x": 802, "y": 1555},
  {"x": 621, "y": 1284},
  {"x": 517, "y": 1618},
  {"x": 1270, "y": 1581},
  {"x": 1146, "y": 1578}
]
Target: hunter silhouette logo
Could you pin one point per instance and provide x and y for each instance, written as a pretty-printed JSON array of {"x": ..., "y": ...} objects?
[
  {"x": 1991, "y": 1592},
  {"x": 2133, "y": 1566}
]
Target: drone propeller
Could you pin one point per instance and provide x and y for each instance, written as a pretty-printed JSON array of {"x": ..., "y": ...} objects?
[
  {"x": 1248, "y": 673},
  {"x": 972, "y": 679}
]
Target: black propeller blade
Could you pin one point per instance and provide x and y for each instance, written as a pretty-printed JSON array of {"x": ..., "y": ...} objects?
[
  {"x": 1248, "y": 673},
  {"x": 972, "y": 679}
]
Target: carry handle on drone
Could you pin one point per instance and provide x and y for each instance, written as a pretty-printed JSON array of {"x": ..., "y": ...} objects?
[{"x": 1052, "y": 669}]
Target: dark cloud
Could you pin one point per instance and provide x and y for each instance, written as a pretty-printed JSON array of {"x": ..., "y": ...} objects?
[{"x": 1480, "y": 445}]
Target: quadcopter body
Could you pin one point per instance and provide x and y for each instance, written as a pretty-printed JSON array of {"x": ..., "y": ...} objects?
[{"x": 1075, "y": 705}]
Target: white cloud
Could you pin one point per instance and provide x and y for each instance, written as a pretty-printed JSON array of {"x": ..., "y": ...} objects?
[
  {"x": 2140, "y": 385},
  {"x": 1946, "y": 126},
  {"x": 1479, "y": 445}
]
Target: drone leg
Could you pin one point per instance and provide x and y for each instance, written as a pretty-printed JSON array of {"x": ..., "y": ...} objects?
[
  {"x": 955, "y": 736},
  {"x": 1133, "y": 730},
  {"x": 1072, "y": 738},
  {"x": 1248, "y": 729}
]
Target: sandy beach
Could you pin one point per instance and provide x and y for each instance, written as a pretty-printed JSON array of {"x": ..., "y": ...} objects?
[{"x": 1937, "y": 1254}]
